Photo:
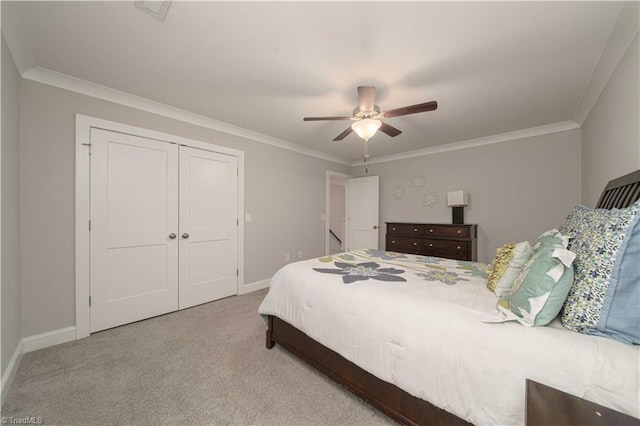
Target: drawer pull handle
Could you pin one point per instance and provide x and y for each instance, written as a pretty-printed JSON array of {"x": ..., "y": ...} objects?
[
  {"x": 430, "y": 230},
  {"x": 415, "y": 244},
  {"x": 430, "y": 245},
  {"x": 393, "y": 229},
  {"x": 415, "y": 229},
  {"x": 458, "y": 247},
  {"x": 459, "y": 232},
  {"x": 393, "y": 242}
]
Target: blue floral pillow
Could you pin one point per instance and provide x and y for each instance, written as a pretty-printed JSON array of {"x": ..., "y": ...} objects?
[{"x": 605, "y": 296}]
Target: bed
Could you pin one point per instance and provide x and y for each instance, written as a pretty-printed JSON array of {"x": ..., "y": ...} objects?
[{"x": 409, "y": 334}]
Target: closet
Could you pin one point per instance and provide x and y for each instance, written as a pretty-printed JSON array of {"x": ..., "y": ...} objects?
[{"x": 163, "y": 227}]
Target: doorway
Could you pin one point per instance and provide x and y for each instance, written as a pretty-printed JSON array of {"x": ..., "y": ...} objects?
[
  {"x": 335, "y": 232},
  {"x": 352, "y": 212}
]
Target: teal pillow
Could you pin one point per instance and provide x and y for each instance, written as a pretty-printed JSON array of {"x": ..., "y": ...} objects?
[
  {"x": 540, "y": 290},
  {"x": 551, "y": 238},
  {"x": 605, "y": 297}
]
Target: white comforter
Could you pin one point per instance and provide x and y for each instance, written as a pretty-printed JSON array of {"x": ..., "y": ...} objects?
[{"x": 414, "y": 321}]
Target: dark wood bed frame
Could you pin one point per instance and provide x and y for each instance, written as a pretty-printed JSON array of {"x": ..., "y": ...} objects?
[{"x": 388, "y": 398}]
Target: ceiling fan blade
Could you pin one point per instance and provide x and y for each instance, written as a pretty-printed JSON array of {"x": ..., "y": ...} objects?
[
  {"x": 389, "y": 130},
  {"x": 366, "y": 97},
  {"x": 413, "y": 109},
  {"x": 343, "y": 134},
  {"x": 325, "y": 118}
]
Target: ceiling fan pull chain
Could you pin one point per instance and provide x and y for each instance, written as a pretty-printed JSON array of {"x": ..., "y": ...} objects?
[{"x": 366, "y": 156}]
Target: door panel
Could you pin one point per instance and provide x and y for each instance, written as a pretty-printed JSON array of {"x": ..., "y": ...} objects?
[
  {"x": 134, "y": 209},
  {"x": 208, "y": 215},
  {"x": 132, "y": 271},
  {"x": 362, "y": 212},
  {"x": 127, "y": 209}
]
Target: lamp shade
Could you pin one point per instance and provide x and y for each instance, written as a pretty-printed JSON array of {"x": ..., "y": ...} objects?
[
  {"x": 366, "y": 127},
  {"x": 457, "y": 198}
]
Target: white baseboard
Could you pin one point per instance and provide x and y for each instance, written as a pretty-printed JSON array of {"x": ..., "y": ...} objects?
[
  {"x": 254, "y": 286},
  {"x": 10, "y": 372},
  {"x": 33, "y": 343},
  {"x": 50, "y": 338}
]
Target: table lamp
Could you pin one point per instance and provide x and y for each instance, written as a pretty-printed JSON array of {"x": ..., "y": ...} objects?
[{"x": 457, "y": 200}]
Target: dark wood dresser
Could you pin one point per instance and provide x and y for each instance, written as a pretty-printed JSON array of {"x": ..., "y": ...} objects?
[{"x": 433, "y": 239}]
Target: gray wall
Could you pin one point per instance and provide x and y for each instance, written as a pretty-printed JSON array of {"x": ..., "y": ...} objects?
[
  {"x": 517, "y": 189},
  {"x": 284, "y": 192},
  {"x": 610, "y": 136},
  {"x": 11, "y": 319}
]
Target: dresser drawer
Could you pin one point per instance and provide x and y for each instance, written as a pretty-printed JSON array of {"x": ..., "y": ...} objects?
[
  {"x": 450, "y": 231},
  {"x": 404, "y": 244},
  {"x": 447, "y": 248},
  {"x": 405, "y": 229}
]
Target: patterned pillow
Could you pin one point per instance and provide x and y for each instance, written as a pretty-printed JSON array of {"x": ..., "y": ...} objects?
[
  {"x": 499, "y": 265},
  {"x": 506, "y": 266},
  {"x": 539, "y": 291},
  {"x": 575, "y": 221},
  {"x": 605, "y": 286}
]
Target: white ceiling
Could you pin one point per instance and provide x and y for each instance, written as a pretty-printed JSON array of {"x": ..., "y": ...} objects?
[{"x": 493, "y": 67}]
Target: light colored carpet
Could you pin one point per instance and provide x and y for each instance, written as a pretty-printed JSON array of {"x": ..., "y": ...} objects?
[{"x": 203, "y": 365}]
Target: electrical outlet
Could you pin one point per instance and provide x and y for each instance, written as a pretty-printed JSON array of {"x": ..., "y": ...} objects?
[
  {"x": 300, "y": 255},
  {"x": 287, "y": 257},
  {"x": 247, "y": 217}
]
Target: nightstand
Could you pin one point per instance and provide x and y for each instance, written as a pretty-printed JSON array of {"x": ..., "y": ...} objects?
[{"x": 547, "y": 406}]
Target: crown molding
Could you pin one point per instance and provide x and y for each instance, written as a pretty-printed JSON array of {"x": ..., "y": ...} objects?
[
  {"x": 73, "y": 84},
  {"x": 487, "y": 140}
]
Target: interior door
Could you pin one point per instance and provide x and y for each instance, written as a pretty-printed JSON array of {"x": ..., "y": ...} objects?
[
  {"x": 363, "y": 212},
  {"x": 134, "y": 226},
  {"x": 208, "y": 226}
]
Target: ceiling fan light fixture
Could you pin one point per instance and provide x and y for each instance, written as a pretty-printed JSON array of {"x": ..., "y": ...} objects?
[{"x": 366, "y": 127}]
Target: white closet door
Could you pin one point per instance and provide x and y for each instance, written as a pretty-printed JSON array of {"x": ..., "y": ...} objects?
[
  {"x": 134, "y": 227},
  {"x": 208, "y": 226}
]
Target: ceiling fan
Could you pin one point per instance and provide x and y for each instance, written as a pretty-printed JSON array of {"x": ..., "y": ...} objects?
[{"x": 366, "y": 116}]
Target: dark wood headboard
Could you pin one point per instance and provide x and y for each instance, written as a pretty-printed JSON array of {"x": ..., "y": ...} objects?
[{"x": 621, "y": 192}]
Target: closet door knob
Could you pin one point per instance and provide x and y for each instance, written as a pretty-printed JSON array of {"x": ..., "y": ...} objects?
[
  {"x": 185, "y": 235},
  {"x": 172, "y": 235}
]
